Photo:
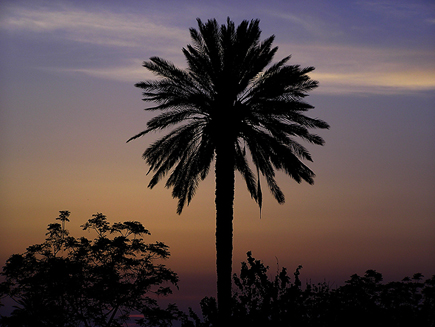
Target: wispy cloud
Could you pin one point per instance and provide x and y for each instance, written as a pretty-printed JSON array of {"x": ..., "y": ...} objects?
[
  {"x": 131, "y": 71},
  {"x": 340, "y": 69},
  {"x": 346, "y": 69},
  {"x": 374, "y": 83},
  {"x": 397, "y": 8},
  {"x": 379, "y": 77},
  {"x": 313, "y": 25},
  {"x": 100, "y": 28}
]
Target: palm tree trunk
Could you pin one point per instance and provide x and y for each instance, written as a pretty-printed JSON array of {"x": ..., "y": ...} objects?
[{"x": 224, "y": 171}]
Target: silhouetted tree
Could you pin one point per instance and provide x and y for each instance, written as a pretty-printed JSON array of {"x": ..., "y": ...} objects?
[
  {"x": 228, "y": 103},
  {"x": 259, "y": 300},
  {"x": 69, "y": 281}
]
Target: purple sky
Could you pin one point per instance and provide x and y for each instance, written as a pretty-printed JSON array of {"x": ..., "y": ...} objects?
[{"x": 68, "y": 104}]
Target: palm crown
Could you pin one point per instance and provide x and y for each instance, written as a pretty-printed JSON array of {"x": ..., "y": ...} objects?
[{"x": 228, "y": 98}]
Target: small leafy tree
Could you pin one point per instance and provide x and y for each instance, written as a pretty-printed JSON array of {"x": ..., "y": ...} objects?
[{"x": 68, "y": 281}]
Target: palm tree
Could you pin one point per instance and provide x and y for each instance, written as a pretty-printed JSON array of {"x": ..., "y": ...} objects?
[{"x": 228, "y": 103}]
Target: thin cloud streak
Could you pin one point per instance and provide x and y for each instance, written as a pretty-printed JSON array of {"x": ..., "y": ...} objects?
[
  {"x": 132, "y": 71},
  {"x": 314, "y": 26},
  {"x": 349, "y": 69},
  {"x": 352, "y": 71},
  {"x": 372, "y": 83},
  {"x": 100, "y": 28},
  {"x": 340, "y": 69},
  {"x": 397, "y": 9}
]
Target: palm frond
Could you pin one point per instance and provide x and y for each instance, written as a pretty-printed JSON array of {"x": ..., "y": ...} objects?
[
  {"x": 173, "y": 117},
  {"x": 162, "y": 155},
  {"x": 229, "y": 94},
  {"x": 192, "y": 167},
  {"x": 243, "y": 167},
  {"x": 138, "y": 135}
]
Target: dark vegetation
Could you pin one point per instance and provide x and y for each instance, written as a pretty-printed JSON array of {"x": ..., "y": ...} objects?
[
  {"x": 230, "y": 105},
  {"x": 71, "y": 282},
  {"x": 259, "y": 300},
  {"x": 68, "y": 281}
]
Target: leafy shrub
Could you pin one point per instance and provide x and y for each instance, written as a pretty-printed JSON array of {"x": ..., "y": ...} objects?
[
  {"x": 68, "y": 281},
  {"x": 363, "y": 301}
]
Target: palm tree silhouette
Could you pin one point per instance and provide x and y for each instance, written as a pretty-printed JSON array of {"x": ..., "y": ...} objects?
[{"x": 227, "y": 104}]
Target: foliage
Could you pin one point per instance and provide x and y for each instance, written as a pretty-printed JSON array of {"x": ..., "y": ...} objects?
[
  {"x": 229, "y": 105},
  {"x": 363, "y": 301},
  {"x": 229, "y": 98},
  {"x": 68, "y": 281}
]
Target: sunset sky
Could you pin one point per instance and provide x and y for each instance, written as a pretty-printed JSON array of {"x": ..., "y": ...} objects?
[{"x": 68, "y": 104}]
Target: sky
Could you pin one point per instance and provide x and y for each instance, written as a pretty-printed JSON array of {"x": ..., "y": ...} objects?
[{"x": 68, "y": 104}]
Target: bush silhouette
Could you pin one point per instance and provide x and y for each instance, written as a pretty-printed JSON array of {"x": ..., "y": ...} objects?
[
  {"x": 69, "y": 281},
  {"x": 363, "y": 301}
]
